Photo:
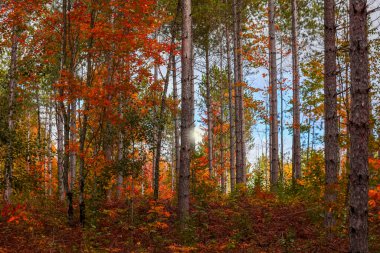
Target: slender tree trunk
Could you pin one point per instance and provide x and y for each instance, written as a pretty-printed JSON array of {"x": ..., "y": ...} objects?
[
  {"x": 296, "y": 171},
  {"x": 222, "y": 89},
  {"x": 331, "y": 116},
  {"x": 61, "y": 109},
  {"x": 49, "y": 146},
  {"x": 239, "y": 131},
  {"x": 308, "y": 141},
  {"x": 83, "y": 133},
  {"x": 12, "y": 74},
  {"x": 161, "y": 125},
  {"x": 73, "y": 140},
  {"x": 60, "y": 151},
  {"x": 64, "y": 120},
  {"x": 359, "y": 126},
  {"x": 186, "y": 114},
  {"x": 231, "y": 110},
  {"x": 273, "y": 103},
  {"x": 209, "y": 112},
  {"x": 161, "y": 128},
  {"x": 282, "y": 114},
  {"x": 120, "y": 156},
  {"x": 176, "y": 119}
]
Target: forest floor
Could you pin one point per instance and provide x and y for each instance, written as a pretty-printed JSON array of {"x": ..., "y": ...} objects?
[{"x": 246, "y": 223}]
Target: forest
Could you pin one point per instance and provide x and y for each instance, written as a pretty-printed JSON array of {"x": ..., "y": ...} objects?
[{"x": 190, "y": 126}]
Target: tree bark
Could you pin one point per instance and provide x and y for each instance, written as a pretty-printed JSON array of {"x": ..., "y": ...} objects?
[
  {"x": 231, "y": 109},
  {"x": 176, "y": 119},
  {"x": 83, "y": 133},
  {"x": 359, "y": 126},
  {"x": 49, "y": 146},
  {"x": 274, "y": 173},
  {"x": 238, "y": 75},
  {"x": 331, "y": 116},
  {"x": 296, "y": 157},
  {"x": 222, "y": 89},
  {"x": 161, "y": 124},
  {"x": 282, "y": 114},
  {"x": 12, "y": 74},
  {"x": 186, "y": 114},
  {"x": 209, "y": 112},
  {"x": 73, "y": 140}
]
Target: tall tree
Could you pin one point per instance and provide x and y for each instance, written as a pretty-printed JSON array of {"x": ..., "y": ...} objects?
[
  {"x": 238, "y": 76},
  {"x": 274, "y": 171},
  {"x": 176, "y": 118},
  {"x": 209, "y": 107},
  {"x": 231, "y": 109},
  {"x": 186, "y": 113},
  {"x": 11, "y": 117},
  {"x": 161, "y": 125},
  {"x": 296, "y": 168},
  {"x": 331, "y": 116},
  {"x": 359, "y": 126}
]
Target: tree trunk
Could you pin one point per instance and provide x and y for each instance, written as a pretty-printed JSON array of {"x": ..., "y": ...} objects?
[
  {"x": 120, "y": 156},
  {"x": 331, "y": 116},
  {"x": 273, "y": 101},
  {"x": 238, "y": 74},
  {"x": 161, "y": 124},
  {"x": 359, "y": 126},
  {"x": 12, "y": 74},
  {"x": 49, "y": 146},
  {"x": 209, "y": 112},
  {"x": 222, "y": 89},
  {"x": 282, "y": 113},
  {"x": 186, "y": 114},
  {"x": 73, "y": 140},
  {"x": 60, "y": 151},
  {"x": 231, "y": 110},
  {"x": 176, "y": 119},
  {"x": 161, "y": 128},
  {"x": 296, "y": 157},
  {"x": 83, "y": 133}
]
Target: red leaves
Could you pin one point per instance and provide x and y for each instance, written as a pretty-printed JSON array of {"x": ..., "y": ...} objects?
[{"x": 14, "y": 213}]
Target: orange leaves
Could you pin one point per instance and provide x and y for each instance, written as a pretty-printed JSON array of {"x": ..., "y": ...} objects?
[
  {"x": 374, "y": 202},
  {"x": 14, "y": 213},
  {"x": 374, "y": 194}
]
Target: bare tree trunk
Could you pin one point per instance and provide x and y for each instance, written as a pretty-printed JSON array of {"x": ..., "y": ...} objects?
[
  {"x": 176, "y": 118},
  {"x": 296, "y": 157},
  {"x": 222, "y": 89},
  {"x": 186, "y": 114},
  {"x": 60, "y": 152},
  {"x": 83, "y": 133},
  {"x": 120, "y": 155},
  {"x": 161, "y": 128},
  {"x": 73, "y": 139},
  {"x": 239, "y": 131},
  {"x": 231, "y": 110},
  {"x": 161, "y": 124},
  {"x": 273, "y": 103},
  {"x": 209, "y": 112},
  {"x": 49, "y": 146},
  {"x": 12, "y": 74},
  {"x": 282, "y": 114},
  {"x": 359, "y": 126},
  {"x": 331, "y": 116},
  {"x": 66, "y": 122}
]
